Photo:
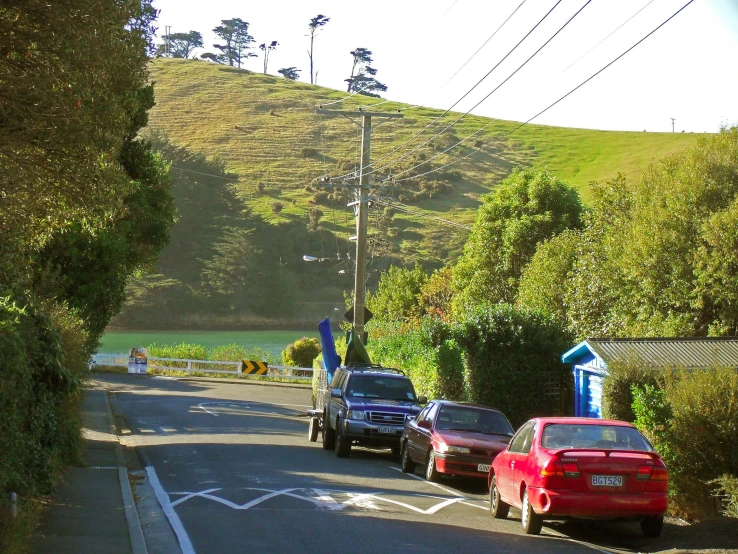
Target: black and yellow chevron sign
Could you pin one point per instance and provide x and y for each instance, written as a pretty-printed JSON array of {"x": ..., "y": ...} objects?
[{"x": 254, "y": 368}]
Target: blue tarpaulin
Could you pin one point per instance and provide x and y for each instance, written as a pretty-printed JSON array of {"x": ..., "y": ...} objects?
[{"x": 331, "y": 359}]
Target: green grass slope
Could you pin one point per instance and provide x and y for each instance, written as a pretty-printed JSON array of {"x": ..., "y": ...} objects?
[{"x": 218, "y": 124}]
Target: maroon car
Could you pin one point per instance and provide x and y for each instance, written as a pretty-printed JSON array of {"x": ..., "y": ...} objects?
[{"x": 454, "y": 438}]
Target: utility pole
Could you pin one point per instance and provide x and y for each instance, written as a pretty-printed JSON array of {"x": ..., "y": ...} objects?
[
  {"x": 362, "y": 208},
  {"x": 672, "y": 125}
]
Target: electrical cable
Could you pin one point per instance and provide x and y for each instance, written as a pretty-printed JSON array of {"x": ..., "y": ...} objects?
[
  {"x": 485, "y": 44},
  {"x": 608, "y": 36},
  {"x": 416, "y": 135},
  {"x": 204, "y": 174},
  {"x": 411, "y": 211},
  {"x": 580, "y": 85},
  {"x": 404, "y": 156},
  {"x": 341, "y": 100}
]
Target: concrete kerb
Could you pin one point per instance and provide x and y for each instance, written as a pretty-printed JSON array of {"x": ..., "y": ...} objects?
[
  {"x": 138, "y": 544},
  {"x": 247, "y": 382},
  {"x": 159, "y": 535}
]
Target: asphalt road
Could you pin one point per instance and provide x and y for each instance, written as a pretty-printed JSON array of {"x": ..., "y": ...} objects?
[{"x": 235, "y": 465}]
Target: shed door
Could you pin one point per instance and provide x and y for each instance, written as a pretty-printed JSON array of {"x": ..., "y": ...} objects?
[{"x": 593, "y": 403}]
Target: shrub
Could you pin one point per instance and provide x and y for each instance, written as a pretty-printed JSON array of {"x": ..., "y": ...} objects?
[
  {"x": 509, "y": 350},
  {"x": 625, "y": 376},
  {"x": 692, "y": 420},
  {"x": 301, "y": 353},
  {"x": 183, "y": 350},
  {"x": 307, "y": 152},
  {"x": 276, "y": 207},
  {"x": 260, "y": 187}
]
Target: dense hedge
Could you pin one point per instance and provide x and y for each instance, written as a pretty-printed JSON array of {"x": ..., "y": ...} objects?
[
  {"x": 617, "y": 389},
  {"x": 486, "y": 358},
  {"x": 42, "y": 363},
  {"x": 513, "y": 361},
  {"x": 691, "y": 417},
  {"x": 430, "y": 356}
]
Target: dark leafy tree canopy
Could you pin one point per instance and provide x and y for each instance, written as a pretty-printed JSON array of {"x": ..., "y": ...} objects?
[
  {"x": 316, "y": 23},
  {"x": 291, "y": 73},
  {"x": 180, "y": 45},
  {"x": 362, "y": 78},
  {"x": 267, "y": 48},
  {"x": 236, "y": 43}
]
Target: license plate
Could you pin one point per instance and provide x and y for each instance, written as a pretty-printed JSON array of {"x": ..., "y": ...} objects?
[
  {"x": 607, "y": 481},
  {"x": 483, "y": 468},
  {"x": 387, "y": 430}
]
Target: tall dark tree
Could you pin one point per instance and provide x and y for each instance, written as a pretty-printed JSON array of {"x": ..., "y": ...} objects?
[
  {"x": 267, "y": 48},
  {"x": 236, "y": 43},
  {"x": 291, "y": 73},
  {"x": 181, "y": 45},
  {"x": 314, "y": 26},
  {"x": 362, "y": 74}
]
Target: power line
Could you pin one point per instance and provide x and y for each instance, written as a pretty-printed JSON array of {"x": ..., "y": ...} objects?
[
  {"x": 560, "y": 99},
  {"x": 411, "y": 211},
  {"x": 204, "y": 174},
  {"x": 404, "y": 156},
  {"x": 416, "y": 135},
  {"x": 485, "y": 44},
  {"x": 608, "y": 36},
  {"x": 341, "y": 100}
]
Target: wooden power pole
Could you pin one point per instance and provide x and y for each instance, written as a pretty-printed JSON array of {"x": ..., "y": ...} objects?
[{"x": 362, "y": 209}]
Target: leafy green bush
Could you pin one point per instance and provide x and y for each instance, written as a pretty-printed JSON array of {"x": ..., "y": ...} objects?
[
  {"x": 692, "y": 420},
  {"x": 301, "y": 353},
  {"x": 618, "y": 388},
  {"x": 512, "y": 360},
  {"x": 429, "y": 355},
  {"x": 183, "y": 350},
  {"x": 727, "y": 491}
]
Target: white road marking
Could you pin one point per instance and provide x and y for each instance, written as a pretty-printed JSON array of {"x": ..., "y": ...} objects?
[
  {"x": 204, "y": 409},
  {"x": 324, "y": 496},
  {"x": 189, "y": 495},
  {"x": 444, "y": 489},
  {"x": 184, "y": 541}
]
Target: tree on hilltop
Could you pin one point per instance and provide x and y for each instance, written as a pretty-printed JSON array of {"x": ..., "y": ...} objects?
[
  {"x": 266, "y": 48},
  {"x": 290, "y": 73},
  {"x": 181, "y": 45},
  {"x": 362, "y": 74},
  {"x": 235, "y": 34},
  {"x": 315, "y": 24}
]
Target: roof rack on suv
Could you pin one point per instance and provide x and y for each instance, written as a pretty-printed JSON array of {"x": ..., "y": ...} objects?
[{"x": 373, "y": 367}]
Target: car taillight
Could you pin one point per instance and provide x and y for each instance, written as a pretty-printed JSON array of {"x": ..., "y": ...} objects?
[
  {"x": 560, "y": 469},
  {"x": 652, "y": 473}
]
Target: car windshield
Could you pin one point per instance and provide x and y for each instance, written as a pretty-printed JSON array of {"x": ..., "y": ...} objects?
[
  {"x": 378, "y": 386},
  {"x": 470, "y": 418},
  {"x": 610, "y": 437}
]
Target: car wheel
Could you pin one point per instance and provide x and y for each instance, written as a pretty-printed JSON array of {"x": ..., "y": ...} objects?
[
  {"x": 497, "y": 508},
  {"x": 343, "y": 445},
  {"x": 313, "y": 429},
  {"x": 431, "y": 473},
  {"x": 651, "y": 526},
  {"x": 407, "y": 465},
  {"x": 532, "y": 522},
  {"x": 329, "y": 435}
]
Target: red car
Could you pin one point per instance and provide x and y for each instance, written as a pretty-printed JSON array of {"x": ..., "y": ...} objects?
[
  {"x": 454, "y": 438},
  {"x": 579, "y": 467}
]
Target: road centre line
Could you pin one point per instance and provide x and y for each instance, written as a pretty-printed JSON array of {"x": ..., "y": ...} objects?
[
  {"x": 184, "y": 541},
  {"x": 230, "y": 403}
]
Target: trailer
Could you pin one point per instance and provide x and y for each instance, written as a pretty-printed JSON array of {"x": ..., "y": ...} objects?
[{"x": 316, "y": 414}]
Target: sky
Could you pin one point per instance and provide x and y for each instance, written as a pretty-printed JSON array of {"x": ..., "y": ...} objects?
[{"x": 687, "y": 70}]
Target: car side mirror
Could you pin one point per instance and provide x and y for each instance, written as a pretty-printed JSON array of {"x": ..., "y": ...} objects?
[
  {"x": 336, "y": 393},
  {"x": 422, "y": 399},
  {"x": 425, "y": 424}
]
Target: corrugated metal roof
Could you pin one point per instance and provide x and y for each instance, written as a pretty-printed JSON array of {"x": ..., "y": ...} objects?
[{"x": 696, "y": 352}]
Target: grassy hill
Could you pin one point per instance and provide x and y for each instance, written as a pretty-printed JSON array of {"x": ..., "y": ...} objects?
[{"x": 262, "y": 133}]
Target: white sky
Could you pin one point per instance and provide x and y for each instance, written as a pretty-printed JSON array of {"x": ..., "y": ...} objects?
[{"x": 687, "y": 70}]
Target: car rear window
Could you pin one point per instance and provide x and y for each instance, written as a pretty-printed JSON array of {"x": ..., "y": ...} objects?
[
  {"x": 478, "y": 420},
  {"x": 378, "y": 386},
  {"x": 610, "y": 437}
]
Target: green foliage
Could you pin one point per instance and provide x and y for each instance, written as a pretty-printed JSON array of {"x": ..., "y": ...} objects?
[
  {"x": 429, "y": 355},
  {"x": 397, "y": 297},
  {"x": 692, "y": 421},
  {"x": 225, "y": 353},
  {"x": 436, "y": 295},
  {"x": 508, "y": 349},
  {"x": 301, "y": 353},
  {"x": 623, "y": 376},
  {"x": 526, "y": 209},
  {"x": 727, "y": 490},
  {"x": 183, "y": 350},
  {"x": 541, "y": 285}
]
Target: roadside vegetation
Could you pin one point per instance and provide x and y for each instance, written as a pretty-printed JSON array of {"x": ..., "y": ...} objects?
[
  {"x": 84, "y": 204},
  {"x": 647, "y": 258}
]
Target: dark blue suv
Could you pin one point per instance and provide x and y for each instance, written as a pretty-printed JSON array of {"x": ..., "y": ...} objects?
[{"x": 367, "y": 405}]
